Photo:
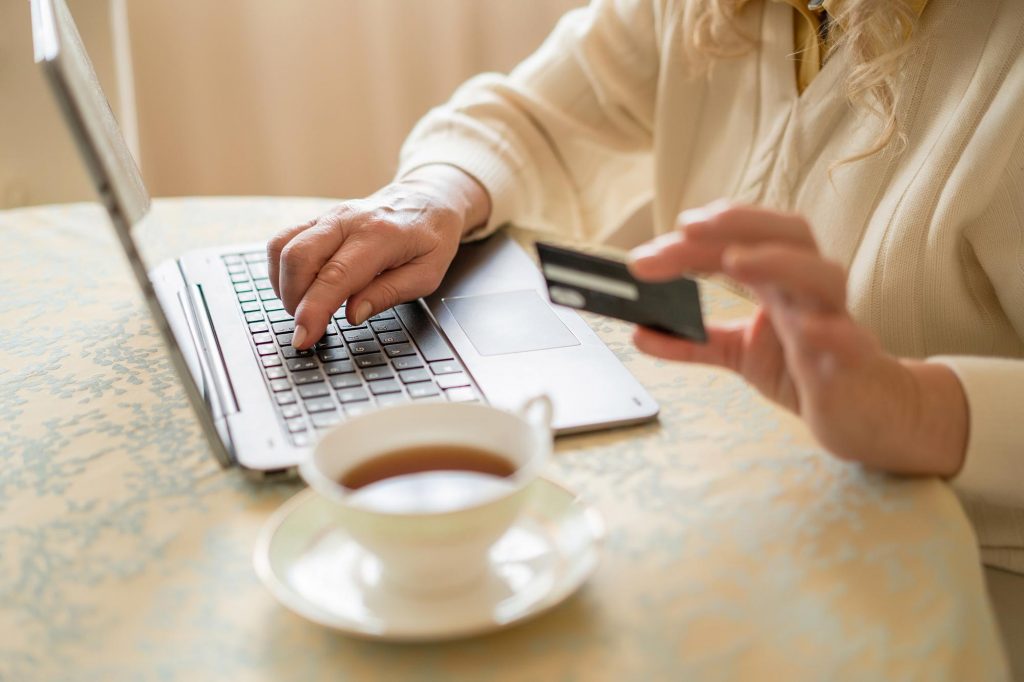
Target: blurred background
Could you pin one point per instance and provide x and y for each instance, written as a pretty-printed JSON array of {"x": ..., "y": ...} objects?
[{"x": 260, "y": 97}]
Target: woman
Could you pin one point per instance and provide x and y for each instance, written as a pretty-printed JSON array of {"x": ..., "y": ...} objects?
[{"x": 873, "y": 160}]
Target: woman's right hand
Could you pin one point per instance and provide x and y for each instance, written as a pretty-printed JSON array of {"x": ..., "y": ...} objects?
[{"x": 377, "y": 252}]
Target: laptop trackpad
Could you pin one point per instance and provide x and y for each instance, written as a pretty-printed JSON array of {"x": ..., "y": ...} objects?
[{"x": 509, "y": 322}]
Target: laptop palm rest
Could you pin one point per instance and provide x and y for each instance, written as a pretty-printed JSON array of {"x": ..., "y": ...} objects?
[
  {"x": 509, "y": 322},
  {"x": 493, "y": 308}
]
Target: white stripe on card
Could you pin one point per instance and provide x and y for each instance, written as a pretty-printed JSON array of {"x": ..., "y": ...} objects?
[{"x": 586, "y": 280}]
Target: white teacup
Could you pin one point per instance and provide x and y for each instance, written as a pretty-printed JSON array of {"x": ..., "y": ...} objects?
[{"x": 428, "y": 542}]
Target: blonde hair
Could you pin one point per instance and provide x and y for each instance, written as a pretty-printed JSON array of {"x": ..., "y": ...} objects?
[{"x": 875, "y": 33}]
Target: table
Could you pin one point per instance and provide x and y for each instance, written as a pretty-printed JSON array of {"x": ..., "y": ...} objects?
[{"x": 736, "y": 547}]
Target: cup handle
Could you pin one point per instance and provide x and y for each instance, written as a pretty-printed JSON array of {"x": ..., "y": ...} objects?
[{"x": 538, "y": 412}]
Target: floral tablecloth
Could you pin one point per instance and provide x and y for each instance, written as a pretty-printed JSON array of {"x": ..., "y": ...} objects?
[{"x": 737, "y": 549}]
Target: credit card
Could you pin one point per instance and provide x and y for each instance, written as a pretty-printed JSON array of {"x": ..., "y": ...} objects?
[{"x": 604, "y": 286}]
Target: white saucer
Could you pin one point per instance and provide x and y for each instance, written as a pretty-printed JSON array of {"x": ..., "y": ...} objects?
[{"x": 320, "y": 573}]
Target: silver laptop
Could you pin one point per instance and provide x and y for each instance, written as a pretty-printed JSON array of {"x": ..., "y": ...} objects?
[{"x": 488, "y": 334}]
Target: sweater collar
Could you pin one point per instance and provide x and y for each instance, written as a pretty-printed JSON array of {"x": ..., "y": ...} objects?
[{"x": 810, "y": 44}]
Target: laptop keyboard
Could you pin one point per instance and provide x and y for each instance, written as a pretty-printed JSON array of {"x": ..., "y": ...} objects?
[{"x": 397, "y": 356}]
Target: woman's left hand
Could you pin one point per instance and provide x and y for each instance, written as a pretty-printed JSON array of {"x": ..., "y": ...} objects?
[{"x": 802, "y": 348}]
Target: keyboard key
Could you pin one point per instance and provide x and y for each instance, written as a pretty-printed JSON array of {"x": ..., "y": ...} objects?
[
  {"x": 344, "y": 324},
  {"x": 342, "y": 367},
  {"x": 431, "y": 399},
  {"x": 320, "y": 405},
  {"x": 276, "y": 373},
  {"x": 251, "y": 307},
  {"x": 242, "y": 287},
  {"x": 253, "y": 316},
  {"x": 399, "y": 349},
  {"x": 263, "y": 337},
  {"x": 408, "y": 362},
  {"x": 296, "y": 426},
  {"x": 280, "y": 316},
  {"x": 304, "y": 378},
  {"x": 384, "y": 315},
  {"x": 301, "y": 440},
  {"x": 453, "y": 380},
  {"x": 353, "y": 395},
  {"x": 356, "y": 409},
  {"x": 461, "y": 395},
  {"x": 259, "y": 270},
  {"x": 423, "y": 390},
  {"x": 412, "y": 376},
  {"x": 273, "y": 306},
  {"x": 235, "y": 268},
  {"x": 386, "y": 326},
  {"x": 384, "y": 386},
  {"x": 388, "y": 338},
  {"x": 239, "y": 277},
  {"x": 268, "y": 295},
  {"x": 301, "y": 364},
  {"x": 332, "y": 354},
  {"x": 370, "y": 360},
  {"x": 292, "y": 352},
  {"x": 232, "y": 259},
  {"x": 330, "y": 342},
  {"x": 278, "y": 385},
  {"x": 291, "y": 411},
  {"x": 258, "y": 327},
  {"x": 286, "y": 398},
  {"x": 354, "y": 335},
  {"x": 445, "y": 367},
  {"x": 284, "y": 340},
  {"x": 343, "y": 381},
  {"x": 262, "y": 284},
  {"x": 246, "y": 297},
  {"x": 314, "y": 391},
  {"x": 378, "y": 373},
  {"x": 364, "y": 347},
  {"x": 430, "y": 343},
  {"x": 271, "y": 360},
  {"x": 266, "y": 349},
  {"x": 392, "y": 399},
  {"x": 325, "y": 420},
  {"x": 284, "y": 327},
  {"x": 255, "y": 257}
]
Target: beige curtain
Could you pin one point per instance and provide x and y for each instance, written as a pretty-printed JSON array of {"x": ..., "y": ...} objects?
[
  {"x": 301, "y": 97},
  {"x": 309, "y": 97},
  {"x": 38, "y": 161}
]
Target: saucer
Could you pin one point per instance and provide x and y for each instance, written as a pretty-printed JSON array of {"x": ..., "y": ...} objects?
[{"x": 316, "y": 570}]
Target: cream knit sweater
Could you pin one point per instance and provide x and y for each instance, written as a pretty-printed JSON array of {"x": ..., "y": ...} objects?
[{"x": 604, "y": 118}]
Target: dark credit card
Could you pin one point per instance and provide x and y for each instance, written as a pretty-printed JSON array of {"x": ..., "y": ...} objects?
[{"x": 603, "y": 286}]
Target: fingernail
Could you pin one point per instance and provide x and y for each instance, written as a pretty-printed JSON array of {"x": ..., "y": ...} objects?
[
  {"x": 697, "y": 216},
  {"x": 643, "y": 251},
  {"x": 731, "y": 258},
  {"x": 362, "y": 312},
  {"x": 298, "y": 336}
]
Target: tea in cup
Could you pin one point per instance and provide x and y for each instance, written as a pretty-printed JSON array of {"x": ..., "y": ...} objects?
[{"x": 428, "y": 488}]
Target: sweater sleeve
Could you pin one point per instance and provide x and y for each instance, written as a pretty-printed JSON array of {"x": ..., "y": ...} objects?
[
  {"x": 994, "y": 466},
  {"x": 993, "y": 470},
  {"x": 562, "y": 143}
]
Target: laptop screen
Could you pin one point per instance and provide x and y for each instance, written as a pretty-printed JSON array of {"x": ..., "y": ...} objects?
[{"x": 59, "y": 47}]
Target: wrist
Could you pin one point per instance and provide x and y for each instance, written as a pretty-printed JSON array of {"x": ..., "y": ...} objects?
[
  {"x": 935, "y": 437},
  {"x": 464, "y": 194}
]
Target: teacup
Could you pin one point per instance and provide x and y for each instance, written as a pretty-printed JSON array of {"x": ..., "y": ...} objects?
[{"x": 429, "y": 542}]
